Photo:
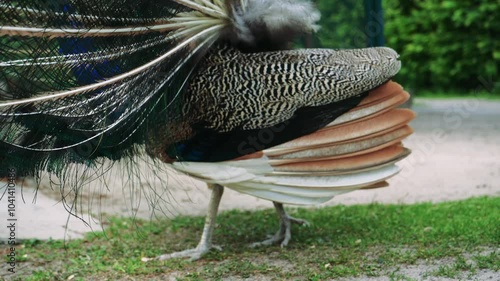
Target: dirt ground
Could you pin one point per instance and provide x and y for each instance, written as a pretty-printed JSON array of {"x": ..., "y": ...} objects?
[{"x": 456, "y": 155}]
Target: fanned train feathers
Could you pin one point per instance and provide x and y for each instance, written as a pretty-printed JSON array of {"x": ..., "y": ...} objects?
[
  {"x": 105, "y": 75},
  {"x": 70, "y": 71},
  {"x": 209, "y": 86}
]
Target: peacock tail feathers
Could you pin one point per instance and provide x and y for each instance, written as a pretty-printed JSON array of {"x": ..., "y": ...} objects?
[
  {"x": 211, "y": 87},
  {"x": 81, "y": 80}
]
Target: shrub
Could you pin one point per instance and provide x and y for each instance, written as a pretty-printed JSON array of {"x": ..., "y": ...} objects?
[{"x": 447, "y": 45}]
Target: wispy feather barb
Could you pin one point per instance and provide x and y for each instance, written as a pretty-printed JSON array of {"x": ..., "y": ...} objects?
[{"x": 109, "y": 75}]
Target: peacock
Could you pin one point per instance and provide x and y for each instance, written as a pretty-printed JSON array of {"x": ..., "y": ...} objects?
[{"x": 212, "y": 88}]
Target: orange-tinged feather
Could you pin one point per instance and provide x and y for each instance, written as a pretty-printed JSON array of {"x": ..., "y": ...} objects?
[
  {"x": 361, "y": 113},
  {"x": 382, "y": 92},
  {"x": 343, "y": 150},
  {"x": 348, "y": 164},
  {"x": 377, "y": 185},
  {"x": 354, "y": 130}
]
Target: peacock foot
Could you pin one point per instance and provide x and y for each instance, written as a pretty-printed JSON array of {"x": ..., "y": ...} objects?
[
  {"x": 284, "y": 235},
  {"x": 205, "y": 244},
  {"x": 193, "y": 254}
]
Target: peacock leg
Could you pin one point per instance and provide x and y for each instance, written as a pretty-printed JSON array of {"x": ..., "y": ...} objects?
[
  {"x": 205, "y": 244},
  {"x": 285, "y": 233}
]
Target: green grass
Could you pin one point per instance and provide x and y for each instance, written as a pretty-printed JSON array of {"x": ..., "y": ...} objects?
[{"x": 343, "y": 241}]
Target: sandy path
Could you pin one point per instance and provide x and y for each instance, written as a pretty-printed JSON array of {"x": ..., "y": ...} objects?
[{"x": 456, "y": 155}]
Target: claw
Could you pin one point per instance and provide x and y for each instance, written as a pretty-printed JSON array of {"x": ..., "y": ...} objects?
[
  {"x": 300, "y": 221},
  {"x": 193, "y": 254},
  {"x": 284, "y": 235}
]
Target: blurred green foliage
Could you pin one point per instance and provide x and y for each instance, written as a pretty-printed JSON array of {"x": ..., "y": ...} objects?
[
  {"x": 342, "y": 24},
  {"x": 444, "y": 45}
]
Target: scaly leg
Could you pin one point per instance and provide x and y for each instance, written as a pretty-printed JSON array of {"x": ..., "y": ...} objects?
[
  {"x": 285, "y": 233},
  {"x": 205, "y": 244}
]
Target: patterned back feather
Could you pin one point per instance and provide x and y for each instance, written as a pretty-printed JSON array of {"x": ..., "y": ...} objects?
[{"x": 236, "y": 96}]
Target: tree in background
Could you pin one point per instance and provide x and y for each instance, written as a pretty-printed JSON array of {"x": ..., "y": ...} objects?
[
  {"x": 342, "y": 23},
  {"x": 445, "y": 45}
]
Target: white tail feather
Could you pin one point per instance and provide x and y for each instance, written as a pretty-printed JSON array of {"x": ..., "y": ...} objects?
[{"x": 252, "y": 177}]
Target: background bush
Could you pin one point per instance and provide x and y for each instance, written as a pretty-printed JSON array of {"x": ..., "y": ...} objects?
[
  {"x": 444, "y": 45},
  {"x": 342, "y": 24}
]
